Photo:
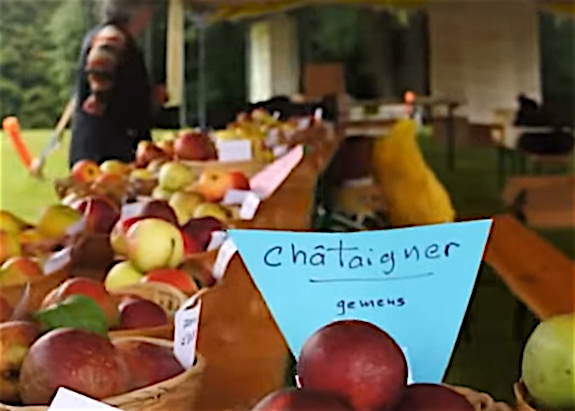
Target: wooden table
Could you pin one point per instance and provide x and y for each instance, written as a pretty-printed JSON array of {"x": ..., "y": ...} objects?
[
  {"x": 543, "y": 201},
  {"x": 245, "y": 353}
]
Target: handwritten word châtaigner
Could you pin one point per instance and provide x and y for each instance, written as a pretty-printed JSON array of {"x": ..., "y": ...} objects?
[{"x": 348, "y": 257}]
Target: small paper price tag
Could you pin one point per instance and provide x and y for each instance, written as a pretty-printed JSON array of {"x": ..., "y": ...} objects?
[
  {"x": 236, "y": 150},
  {"x": 217, "y": 239},
  {"x": 187, "y": 321},
  {"x": 318, "y": 114},
  {"x": 249, "y": 206},
  {"x": 227, "y": 251},
  {"x": 66, "y": 399},
  {"x": 280, "y": 150},
  {"x": 273, "y": 137},
  {"x": 234, "y": 197}
]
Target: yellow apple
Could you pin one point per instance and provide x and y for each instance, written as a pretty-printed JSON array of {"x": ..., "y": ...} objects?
[
  {"x": 9, "y": 246},
  {"x": 9, "y": 222},
  {"x": 141, "y": 174},
  {"x": 217, "y": 211},
  {"x": 115, "y": 167},
  {"x": 56, "y": 219},
  {"x": 121, "y": 275},
  {"x": 160, "y": 193},
  {"x": 184, "y": 204},
  {"x": 154, "y": 243}
]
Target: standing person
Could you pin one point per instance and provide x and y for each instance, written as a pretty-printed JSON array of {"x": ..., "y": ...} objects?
[{"x": 114, "y": 96}]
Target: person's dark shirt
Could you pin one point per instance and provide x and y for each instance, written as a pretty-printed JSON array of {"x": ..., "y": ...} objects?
[{"x": 113, "y": 98}]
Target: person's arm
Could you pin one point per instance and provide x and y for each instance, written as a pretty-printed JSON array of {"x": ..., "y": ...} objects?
[{"x": 103, "y": 59}]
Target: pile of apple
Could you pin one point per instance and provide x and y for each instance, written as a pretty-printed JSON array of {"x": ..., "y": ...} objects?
[
  {"x": 34, "y": 363},
  {"x": 355, "y": 366}
]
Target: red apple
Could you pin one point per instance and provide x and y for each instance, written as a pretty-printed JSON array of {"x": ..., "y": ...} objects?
[
  {"x": 174, "y": 277},
  {"x": 85, "y": 171},
  {"x": 90, "y": 288},
  {"x": 191, "y": 245},
  {"x": 16, "y": 337},
  {"x": 150, "y": 209},
  {"x": 140, "y": 313},
  {"x": 194, "y": 146},
  {"x": 358, "y": 362},
  {"x": 214, "y": 183},
  {"x": 291, "y": 399},
  {"x": 432, "y": 397},
  {"x": 79, "y": 360},
  {"x": 5, "y": 310},
  {"x": 100, "y": 216},
  {"x": 148, "y": 363},
  {"x": 201, "y": 229}
]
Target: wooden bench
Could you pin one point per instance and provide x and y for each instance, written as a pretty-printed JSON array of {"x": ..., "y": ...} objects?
[{"x": 536, "y": 272}]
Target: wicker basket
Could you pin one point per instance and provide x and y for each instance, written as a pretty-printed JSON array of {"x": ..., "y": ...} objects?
[
  {"x": 166, "y": 296},
  {"x": 521, "y": 398},
  {"x": 176, "y": 394},
  {"x": 481, "y": 401},
  {"x": 39, "y": 289}
]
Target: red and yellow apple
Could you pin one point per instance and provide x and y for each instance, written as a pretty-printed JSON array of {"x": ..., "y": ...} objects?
[
  {"x": 174, "y": 277},
  {"x": 82, "y": 361},
  {"x": 213, "y": 184},
  {"x": 16, "y": 337},
  {"x": 167, "y": 146},
  {"x": 118, "y": 240},
  {"x": 85, "y": 171},
  {"x": 19, "y": 270},
  {"x": 100, "y": 215},
  {"x": 89, "y": 288},
  {"x": 154, "y": 243},
  {"x": 192, "y": 145},
  {"x": 146, "y": 152},
  {"x": 192, "y": 245}
]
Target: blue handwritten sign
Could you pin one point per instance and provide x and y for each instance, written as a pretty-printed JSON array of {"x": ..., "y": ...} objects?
[{"x": 414, "y": 283}]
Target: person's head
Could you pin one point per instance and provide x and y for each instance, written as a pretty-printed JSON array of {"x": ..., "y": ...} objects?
[{"x": 133, "y": 15}]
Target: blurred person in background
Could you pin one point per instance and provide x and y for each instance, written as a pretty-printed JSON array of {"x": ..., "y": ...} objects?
[{"x": 114, "y": 96}]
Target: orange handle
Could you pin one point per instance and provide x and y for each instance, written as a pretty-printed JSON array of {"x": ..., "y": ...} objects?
[{"x": 12, "y": 128}]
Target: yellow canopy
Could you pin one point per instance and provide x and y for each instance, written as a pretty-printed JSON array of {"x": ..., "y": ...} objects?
[{"x": 238, "y": 9}]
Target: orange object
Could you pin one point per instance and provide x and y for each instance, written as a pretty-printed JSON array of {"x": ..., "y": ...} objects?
[
  {"x": 12, "y": 128},
  {"x": 409, "y": 97}
]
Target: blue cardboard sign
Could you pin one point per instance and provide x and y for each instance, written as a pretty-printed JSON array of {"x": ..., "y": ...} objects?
[{"x": 414, "y": 283}]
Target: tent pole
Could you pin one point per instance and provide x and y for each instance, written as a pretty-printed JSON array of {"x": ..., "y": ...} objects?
[
  {"x": 201, "y": 71},
  {"x": 183, "y": 107}
]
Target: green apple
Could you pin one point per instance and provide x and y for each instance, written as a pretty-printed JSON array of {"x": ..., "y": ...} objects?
[
  {"x": 154, "y": 243},
  {"x": 174, "y": 176},
  {"x": 184, "y": 204},
  {"x": 121, "y": 275}
]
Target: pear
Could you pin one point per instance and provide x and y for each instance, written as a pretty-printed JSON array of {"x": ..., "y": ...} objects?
[{"x": 56, "y": 219}]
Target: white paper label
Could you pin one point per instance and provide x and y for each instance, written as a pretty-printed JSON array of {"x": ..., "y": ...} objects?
[
  {"x": 318, "y": 114},
  {"x": 303, "y": 123},
  {"x": 186, "y": 322},
  {"x": 66, "y": 399},
  {"x": 227, "y": 251},
  {"x": 235, "y": 150},
  {"x": 235, "y": 197},
  {"x": 250, "y": 206},
  {"x": 280, "y": 150},
  {"x": 273, "y": 137},
  {"x": 277, "y": 115},
  {"x": 406, "y": 354},
  {"x": 217, "y": 239}
]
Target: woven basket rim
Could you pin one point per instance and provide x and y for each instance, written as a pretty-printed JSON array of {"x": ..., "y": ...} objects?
[
  {"x": 131, "y": 396},
  {"x": 134, "y": 288}
]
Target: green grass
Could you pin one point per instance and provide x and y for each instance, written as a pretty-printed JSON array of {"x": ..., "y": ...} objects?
[
  {"x": 489, "y": 362},
  {"x": 19, "y": 192}
]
